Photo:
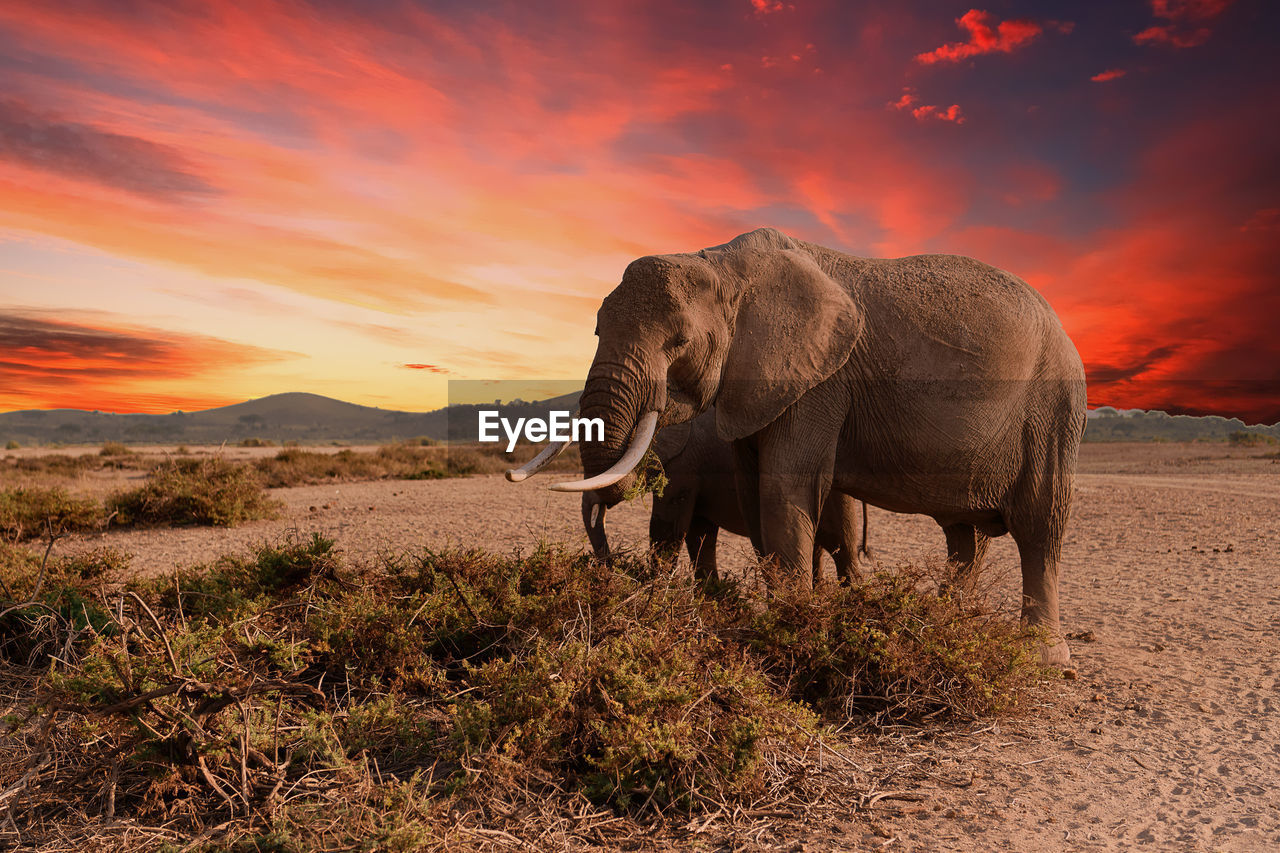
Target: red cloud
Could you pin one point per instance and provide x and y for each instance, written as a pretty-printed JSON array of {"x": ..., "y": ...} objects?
[
  {"x": 905, "y": 101},
  {"x": 431, "y": 368},
  {"x": 1187, "y": 19},
  {"x": 1004, "y": 37},
  {"x": 927, "y": 111},
  {"x": 765, "y": 7},
  {"x": 1109, "y": 74}
]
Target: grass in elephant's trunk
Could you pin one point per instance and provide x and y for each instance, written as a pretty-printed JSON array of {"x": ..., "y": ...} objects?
[{"x": 277, "y": 694}]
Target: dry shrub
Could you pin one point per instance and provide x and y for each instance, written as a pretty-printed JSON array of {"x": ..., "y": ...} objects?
[
  {"x": 194, "y": 491},
  {"x": 896, "y": 646},
  {"x": 295, "y": 467},
  {"x": 115, "y": 448},
  {"x": 60, "y": 466},
  {"x": 289, "y": 701},
  {"x": 28, "y": 513},
  {"x": 47, "y": 602}
]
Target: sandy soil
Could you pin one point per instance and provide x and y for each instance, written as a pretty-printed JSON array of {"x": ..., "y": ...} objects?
[{"x": 1168, "y": 739}]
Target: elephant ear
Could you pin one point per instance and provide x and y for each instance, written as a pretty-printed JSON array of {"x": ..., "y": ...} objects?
[
  {"x": 671, "y": 441},
  {"x": 795, "y": 327}
]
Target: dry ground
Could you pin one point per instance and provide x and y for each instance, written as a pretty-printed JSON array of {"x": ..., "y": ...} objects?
[{"x": 1168, "y": 739}]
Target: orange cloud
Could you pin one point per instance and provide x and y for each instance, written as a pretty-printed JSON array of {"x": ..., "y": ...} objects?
[
  {"x": 1110, "y": 74},
  {"x": 51, "y": 363},
  {"x": 984, "y": 37},
  {"x": 430, "y": 368},
  {"x": 1186, "y": 19}
]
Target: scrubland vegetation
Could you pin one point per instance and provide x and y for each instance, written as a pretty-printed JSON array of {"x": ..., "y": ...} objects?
[
  {"x": 295, "y": 699},
  {"x": 214, "y": 490}
]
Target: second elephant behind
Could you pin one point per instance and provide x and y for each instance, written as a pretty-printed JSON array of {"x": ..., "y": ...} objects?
[{"x": 700, "y": 499}]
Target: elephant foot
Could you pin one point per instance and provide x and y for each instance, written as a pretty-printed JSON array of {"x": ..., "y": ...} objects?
[{"x": 1055, "y": 654}]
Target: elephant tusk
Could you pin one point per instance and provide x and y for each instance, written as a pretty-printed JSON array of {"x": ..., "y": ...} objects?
[
  {"x": 645, "y": 429},
  {"x": 537, "y": 463}
]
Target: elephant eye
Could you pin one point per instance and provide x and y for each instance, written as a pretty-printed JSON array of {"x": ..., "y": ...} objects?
[{"x": 678, "y": 341}]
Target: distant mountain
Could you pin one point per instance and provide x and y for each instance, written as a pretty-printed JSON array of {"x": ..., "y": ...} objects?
[
  {"x": 313, "y": 418},
  {"x": 279, "y": 417}
]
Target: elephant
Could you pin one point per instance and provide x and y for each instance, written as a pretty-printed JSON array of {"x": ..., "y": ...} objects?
[
  {"x": 930, "y": 384},
  {"x": 700, "y": 499}
]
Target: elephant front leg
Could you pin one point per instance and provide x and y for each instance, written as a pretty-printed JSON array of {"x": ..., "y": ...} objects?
[
  {"x": 788, "y": 531},
  {"x": 796, "y": 461}
]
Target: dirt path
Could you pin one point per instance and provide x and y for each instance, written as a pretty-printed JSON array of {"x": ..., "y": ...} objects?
[{"x": 1168, "y": 740}]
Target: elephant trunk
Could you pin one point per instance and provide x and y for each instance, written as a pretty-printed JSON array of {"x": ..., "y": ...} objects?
[
  {"x": 628, "y": 405},
  {"x": 593, "y": 512}
]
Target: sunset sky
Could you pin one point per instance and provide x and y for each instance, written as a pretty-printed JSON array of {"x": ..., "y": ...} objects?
[{"x": 202, "y": 203}]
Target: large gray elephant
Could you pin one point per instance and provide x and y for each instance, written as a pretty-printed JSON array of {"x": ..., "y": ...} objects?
[
  {"x": 701, "y": 499},
  {"x": 931, "y": 384}
]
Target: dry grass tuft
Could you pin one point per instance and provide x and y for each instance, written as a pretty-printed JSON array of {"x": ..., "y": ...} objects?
[{"x": 292, "y": 701}]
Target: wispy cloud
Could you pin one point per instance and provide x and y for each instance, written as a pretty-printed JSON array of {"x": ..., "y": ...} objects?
[
  {"x": 50, "y": 143},
  {"x": 1186, "y": 22},
  {"x": 1109, "y": 74},
  {"x": 985, "y": 36}
]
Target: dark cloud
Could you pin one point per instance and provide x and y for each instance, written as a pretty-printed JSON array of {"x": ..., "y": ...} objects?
[
  {"x": 1185, "y": 22},
  {"x": 45, "y": 142},
  {"x": 1105, "y": 373},
  {"x": 46, "y": 358}
]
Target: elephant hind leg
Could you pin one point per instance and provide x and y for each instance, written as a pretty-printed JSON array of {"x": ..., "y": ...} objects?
[
  {"x": 701, "y": 543},
  {"x": 1038, "y": 532},
  {"x": 1040, "y": 597},
  {"x": 966, "y": 550},
  {"x": 837, "y": 535}
]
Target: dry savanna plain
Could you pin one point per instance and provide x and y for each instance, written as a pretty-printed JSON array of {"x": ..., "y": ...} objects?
[{"x": 1164, "y": 736}]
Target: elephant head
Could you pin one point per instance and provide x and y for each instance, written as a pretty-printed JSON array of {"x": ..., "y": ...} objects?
[{"x": 749, "y": 326}]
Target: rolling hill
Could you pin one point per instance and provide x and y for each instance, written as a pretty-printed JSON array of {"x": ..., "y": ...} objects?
[
  {"x": 279, "y": 417},
  {"x": 312, "y": 418}
]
